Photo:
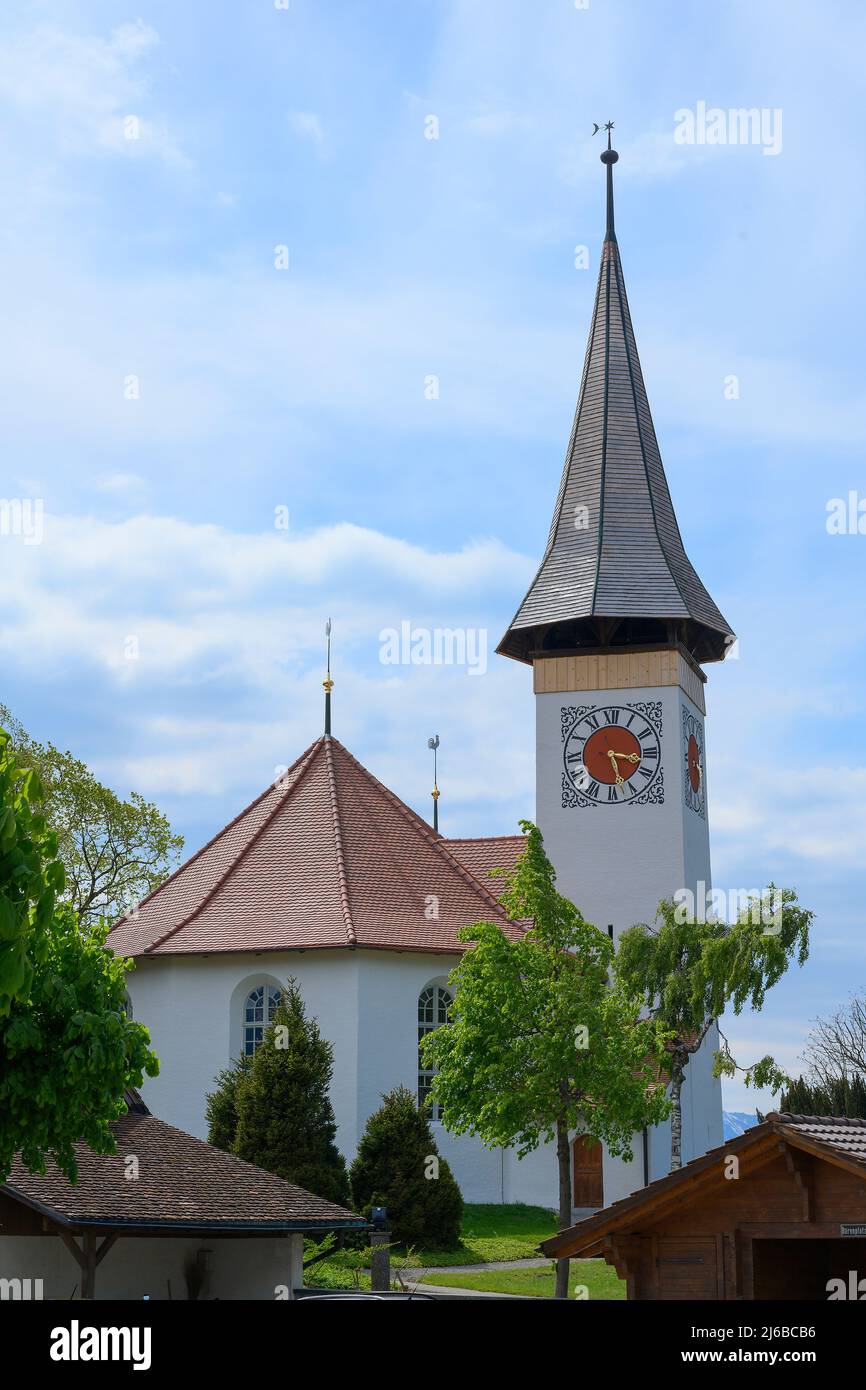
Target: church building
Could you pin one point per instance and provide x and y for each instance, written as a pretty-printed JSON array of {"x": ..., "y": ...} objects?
[{"x": 329, "y": 877}]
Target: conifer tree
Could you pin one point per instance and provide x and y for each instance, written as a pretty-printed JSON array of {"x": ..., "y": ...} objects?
[
  {"x": 285, "y": 1118},
  {"x": 221, "y": 1105},
  {"x": 398, "y": 1167},
  {"x": 838, "y": 1095}
]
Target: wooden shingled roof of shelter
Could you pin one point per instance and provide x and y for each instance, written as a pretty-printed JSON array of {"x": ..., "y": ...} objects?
[
  {"x": 325, "y": 858},
  {"x": 614, "y": 571},
  {"x": 183, "y": 1184}
]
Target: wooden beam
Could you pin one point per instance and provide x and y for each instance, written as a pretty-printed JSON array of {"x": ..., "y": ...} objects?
[
  {"x": 802, "y": 1168},
  {"x": 839, "y": 1160},
  {"x": 106, "y": 1246},
  {"x": 88, "y": 1266},
  {"x": 783, "y": 1230},
  {"x": 71, "y": 1244}
]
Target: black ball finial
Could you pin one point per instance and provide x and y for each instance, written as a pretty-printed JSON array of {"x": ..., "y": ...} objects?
[{"x": 609, "y": 156}]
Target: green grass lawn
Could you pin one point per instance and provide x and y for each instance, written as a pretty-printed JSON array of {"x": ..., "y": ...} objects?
[
  {"x": 597, "y": 1277},
  {"x": 488, "y": 1233},
  {"x": 494, "y": 1233}
]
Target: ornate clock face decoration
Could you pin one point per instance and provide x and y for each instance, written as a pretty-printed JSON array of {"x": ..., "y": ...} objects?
[
  {"x": 612, "y": 754},
  {"x": 693, "y": 755}
]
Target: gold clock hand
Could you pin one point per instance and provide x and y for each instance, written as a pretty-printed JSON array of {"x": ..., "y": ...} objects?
[{"x": 629, "y": 757}]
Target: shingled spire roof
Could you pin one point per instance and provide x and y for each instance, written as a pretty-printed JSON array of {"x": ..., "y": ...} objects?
[
  {"x": 615, "y": 572},
  {"x": 327, "y": 857}
]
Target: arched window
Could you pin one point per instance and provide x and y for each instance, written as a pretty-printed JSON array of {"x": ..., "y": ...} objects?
[
  {"x": 260, "y": 1007},
  {"x": 434, "y": 1004}
]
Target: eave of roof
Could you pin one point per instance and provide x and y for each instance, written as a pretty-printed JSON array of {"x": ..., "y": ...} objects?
[{"x": 114, "y": 1223}]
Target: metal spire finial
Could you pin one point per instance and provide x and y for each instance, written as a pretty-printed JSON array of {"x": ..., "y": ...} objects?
[
  {"x": 327, "y": 682},
  {"x": 433, "y": 744},
  {"x": 608, "y": 159}
]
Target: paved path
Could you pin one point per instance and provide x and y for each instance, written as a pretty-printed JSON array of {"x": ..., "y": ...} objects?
[
  {"x": 477, "y": 1269},
  {"x": 447, "y": 1292}
]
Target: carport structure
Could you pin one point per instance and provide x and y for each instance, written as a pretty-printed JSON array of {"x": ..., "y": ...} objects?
[{"x": 777, "y": 1213}]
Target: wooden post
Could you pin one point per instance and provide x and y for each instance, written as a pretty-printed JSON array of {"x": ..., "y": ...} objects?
[{"x": 88, "y": 1268}]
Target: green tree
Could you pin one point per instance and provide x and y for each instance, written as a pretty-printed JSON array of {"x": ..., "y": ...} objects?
[
  {"x": 114, "y": 852},
  {"x": 221, "y": 1105},
  {"x": 398, "y": 1166},
  {"x": 30, "y": 878},
  {"x": 541, "y": 1042},
  {"x": 839, "y": 1095},
  {"x": 285, "y": 1117},
  {"x": 68, "y": 1050},
  {"x": 689, "y": 971}
]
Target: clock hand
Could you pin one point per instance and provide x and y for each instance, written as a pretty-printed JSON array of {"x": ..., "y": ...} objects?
[{"x": 629, "y": 757}]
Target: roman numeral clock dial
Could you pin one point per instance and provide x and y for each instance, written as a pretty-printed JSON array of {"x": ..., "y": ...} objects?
[{"x": 612, "y": 755}]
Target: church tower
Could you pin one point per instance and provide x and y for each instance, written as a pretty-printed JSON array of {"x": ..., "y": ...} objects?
[{"x": 617, "y": 627}]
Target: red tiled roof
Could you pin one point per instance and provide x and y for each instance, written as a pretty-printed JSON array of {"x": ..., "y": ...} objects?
[
  {"x": 328, "y": 857},
  {"x": 482, "y": 854},
  {"x": 182, "y": 1183}
]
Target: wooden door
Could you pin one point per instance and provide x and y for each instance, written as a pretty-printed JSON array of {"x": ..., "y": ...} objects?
[{"x": 586, "y": 1174}]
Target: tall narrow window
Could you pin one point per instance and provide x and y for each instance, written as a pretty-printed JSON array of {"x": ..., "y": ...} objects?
[
  {"x": 434, "y": 1004},
  {"x": 259, "y": 1009}
]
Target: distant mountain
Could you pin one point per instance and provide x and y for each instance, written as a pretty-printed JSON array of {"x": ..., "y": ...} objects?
[{"x": 737, "y": 1122}]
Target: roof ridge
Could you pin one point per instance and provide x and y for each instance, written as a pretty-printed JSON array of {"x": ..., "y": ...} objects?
[
  {"x": 351, "y": 935},
  {"x": 213, "y": 839},
  {"x": 609, "y": 252},
  {"x": 478, "y": 839},
  {"x": 438, "y": 843},
  {"x": 625, "y": 320},
  {"x": 215, "y": 887},
  {"x": 786, "y": 1117}
]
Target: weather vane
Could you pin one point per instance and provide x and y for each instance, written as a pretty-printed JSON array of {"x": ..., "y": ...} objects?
[
  {"x": 608, "y": 126},
  {"x": 433, "y": 744}
]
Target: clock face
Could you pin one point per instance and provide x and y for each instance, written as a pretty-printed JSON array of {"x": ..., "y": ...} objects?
[
  {"x": 612, "y": 754},
  {"x": 693, "y": 755}
]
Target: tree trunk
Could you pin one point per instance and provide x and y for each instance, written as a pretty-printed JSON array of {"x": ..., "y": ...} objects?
[
  {"x": 677, "y": 1071},
  {"x": 563, "y": 1154}
]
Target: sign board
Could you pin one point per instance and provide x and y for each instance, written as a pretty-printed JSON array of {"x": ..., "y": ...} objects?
[{"x": 859, "y": 1230}]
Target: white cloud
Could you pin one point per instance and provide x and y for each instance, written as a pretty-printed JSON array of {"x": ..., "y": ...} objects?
[
  {"x": 308, "y": 125},
  {"x": 647, "y": 157},
  {"x": 225, "y": 680},
  {"x": 86, "y": 91},
  {"x": 121, "y": 484}
]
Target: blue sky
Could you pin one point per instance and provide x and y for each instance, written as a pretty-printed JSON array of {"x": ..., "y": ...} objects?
[{"x": 304, "y": 389}]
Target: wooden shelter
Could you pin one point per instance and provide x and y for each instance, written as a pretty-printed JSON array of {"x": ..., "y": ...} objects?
[
  {"x": 777, "y": 1213},
  {"x": 171, "y": 1213}
]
